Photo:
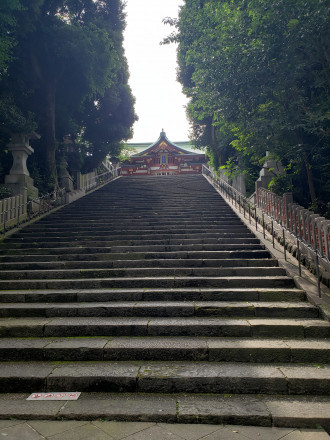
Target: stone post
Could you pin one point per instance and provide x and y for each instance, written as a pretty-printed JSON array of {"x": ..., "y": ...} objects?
[
  {"x": 270, "y": 169},
  {"x": 224, "y": 176},
  {"x": 19, "y": 178},
  {"x": 66, "y": 181},
  {"x": 79, "y": 184},
  {"x": 239, "y": 183}
]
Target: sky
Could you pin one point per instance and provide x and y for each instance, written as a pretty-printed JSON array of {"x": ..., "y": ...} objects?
[{"x": 160, "y": 103}]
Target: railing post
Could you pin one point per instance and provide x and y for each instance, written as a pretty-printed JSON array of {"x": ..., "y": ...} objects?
[
  {"x": 4, "y": 220},
  {"x": 18, "y": 213},
  {"x": 273, "y": 239},
  {"x": 263, "y": 225},
  {"x": 298, "y": 256},
  {"x": 318, "y": 274}
]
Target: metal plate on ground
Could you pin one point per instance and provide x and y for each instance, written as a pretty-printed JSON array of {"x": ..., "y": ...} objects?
[{"x": 54, "y": 396}]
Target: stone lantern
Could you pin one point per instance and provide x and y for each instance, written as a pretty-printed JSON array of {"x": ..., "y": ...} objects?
[
  {"x": 65, "y": 179},
  {"x": 270, "y": 169},
  {"x": 19, "y": 178}
]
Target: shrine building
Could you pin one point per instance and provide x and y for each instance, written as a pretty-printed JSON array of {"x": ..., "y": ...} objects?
[{"x": 163, "y": 158}]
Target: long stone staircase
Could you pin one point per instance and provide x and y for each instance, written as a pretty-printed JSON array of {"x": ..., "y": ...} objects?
[{"x": 152, "y": 298}]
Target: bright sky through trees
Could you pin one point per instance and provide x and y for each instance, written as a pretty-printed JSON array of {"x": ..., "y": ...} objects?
[{"x": 160, "y": 102}]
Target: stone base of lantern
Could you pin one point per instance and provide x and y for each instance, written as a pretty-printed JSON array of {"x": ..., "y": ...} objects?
[{"x": 21, "y": 182}]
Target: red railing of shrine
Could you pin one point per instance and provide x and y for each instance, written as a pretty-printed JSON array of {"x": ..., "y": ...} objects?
[
  {"x": 308, "y": 229},
  {"x": 312, "y": 229}
]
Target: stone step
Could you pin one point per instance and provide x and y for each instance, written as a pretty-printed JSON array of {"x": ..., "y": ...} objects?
[
  {"x": 108, "y": 241},
  {"x": 131, "y": 230},
  {"x": 166, "y": 309},
  {"x": 188, "y": 223},
  {"x": 148, "y": 282},
  {"x": 162, "y": 326},
  {"x": 140, "y": 206},
  {"x": 263, "y": 410},
  {"x": 44, "y": 265},
  {"x": 178, "y": 255},
  {"x": 315, "y": 351},
  {"x": 56, "y": 236},
  {"x": 196, "y": 218},
  {"x": 138, "y": 272},
  {"x": 190, "y": 294},
  {"x": 168, "y": 215},
  {"x": 89, "y": 224},
  {"x": 133, "y": 249},
  {"x": 114, "y": 215},
  {"x": 165, "y": 377}
]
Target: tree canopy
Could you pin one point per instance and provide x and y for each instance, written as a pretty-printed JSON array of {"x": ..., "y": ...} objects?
[
  {"x": 65, "y": 74},
  {"x": 257, "y": 75}
]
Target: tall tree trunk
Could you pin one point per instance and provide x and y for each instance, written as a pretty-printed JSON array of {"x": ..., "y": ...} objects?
[
  {"x": 50, "y": 134},
  {"x": 310, "y": 178}
]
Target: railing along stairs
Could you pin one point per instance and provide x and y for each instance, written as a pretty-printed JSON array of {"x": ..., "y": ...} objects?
[
  {"x": 19, "y": 209},
  {"x": 285, "y": 220}
]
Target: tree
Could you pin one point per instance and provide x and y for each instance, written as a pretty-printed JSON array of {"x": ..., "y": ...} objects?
[
  {"x": 7, "y": 27},
  {"x": 68, "y": 57},
  {"x": 260, "y": 72}
]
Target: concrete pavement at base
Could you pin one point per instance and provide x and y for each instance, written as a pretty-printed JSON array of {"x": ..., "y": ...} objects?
[{"x": 105, "y": 430}]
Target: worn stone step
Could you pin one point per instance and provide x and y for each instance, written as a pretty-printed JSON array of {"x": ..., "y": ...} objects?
[
  {"x": 144, "y": 223},
  {"x": 114, "y": 221},
  {"x": 160, "y": 326},
  {"x": 148, "y": 282},
  {"x": 138, "y": 197},
  {"x": 178, "y": 255},
  {"x": 179, "y": 294},
  {"x": 132, "y": 228},
  {"x": 111, "y": 218},
  {"x": 132, "y": 249},
  {"x": 141, "y": 206},
  {"x": 154, "y": 308},
  {"x": 107, "y": 242},
  {"x": 156, "y": 348},
  {"x": 165, "y": 377},
  {"x": 139, "y": 272},
  {"x": 255, "y": 410},
  {"x": 146, "y": 215},
  {"x": 55, "y": 265},
  {"x": 86, "y": 235}
]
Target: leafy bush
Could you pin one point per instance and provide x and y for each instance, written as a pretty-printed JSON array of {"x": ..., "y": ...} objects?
[{"x": 5, "y": 192}]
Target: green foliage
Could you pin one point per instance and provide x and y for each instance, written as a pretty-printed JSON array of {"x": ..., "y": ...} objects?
[
  {"x": 281, "y": 184},
  {"x": 258, "y": 72},
  {"x": 126, "y": 153},
  {"x": 7, "y": 26},
  {"x": 5, "y": 192},
  {"x": 68, "y": 76}
]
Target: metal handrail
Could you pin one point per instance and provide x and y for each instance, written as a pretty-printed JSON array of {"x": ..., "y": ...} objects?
[{"x": 278, "y": 218}]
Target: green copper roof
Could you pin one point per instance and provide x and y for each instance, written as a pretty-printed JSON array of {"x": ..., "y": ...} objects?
[{"x": 162, "y": 137}]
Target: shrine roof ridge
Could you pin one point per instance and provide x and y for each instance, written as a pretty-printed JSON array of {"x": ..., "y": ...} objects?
[{"x": 163, "y": 137}]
